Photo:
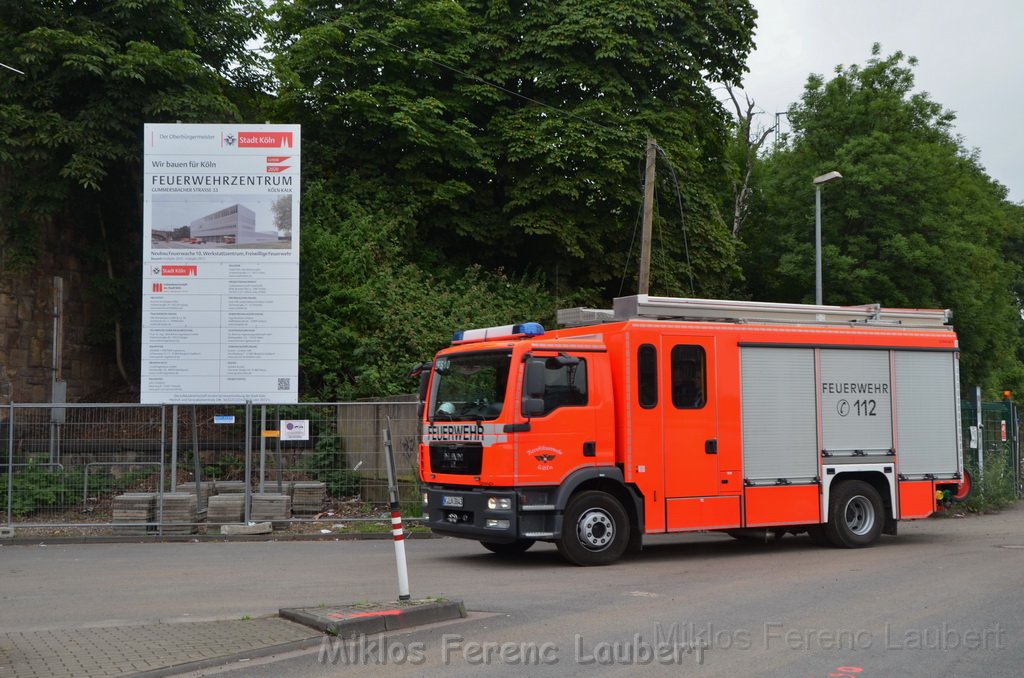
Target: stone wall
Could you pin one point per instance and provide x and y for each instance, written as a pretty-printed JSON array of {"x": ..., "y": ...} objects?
[{"x": 26, "y": 314}]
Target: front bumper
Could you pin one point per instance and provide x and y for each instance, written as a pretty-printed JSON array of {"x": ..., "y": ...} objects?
[{"x": 463, "y": 512}]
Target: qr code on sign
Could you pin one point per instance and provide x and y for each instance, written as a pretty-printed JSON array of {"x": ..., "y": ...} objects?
[{"x": 284, "y": 383}]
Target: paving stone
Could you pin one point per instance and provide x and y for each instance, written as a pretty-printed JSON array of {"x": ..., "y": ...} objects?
[{"x": 111, "y": 651}]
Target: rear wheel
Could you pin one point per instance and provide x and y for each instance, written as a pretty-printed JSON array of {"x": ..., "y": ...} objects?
[
  {"x": 595, "y": 529},
  {"x": 856, "y": 515},
  {"x": 512, "y": 548}
]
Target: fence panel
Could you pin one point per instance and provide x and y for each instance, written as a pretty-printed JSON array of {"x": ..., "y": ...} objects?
[
  {"x": 148, "y": 470},
  {"x": 63, "y": 464},
  {"x": 996, "y": 442}
]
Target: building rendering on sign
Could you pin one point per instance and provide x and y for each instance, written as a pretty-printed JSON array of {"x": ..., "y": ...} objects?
[{"x": 233, "y": 224}]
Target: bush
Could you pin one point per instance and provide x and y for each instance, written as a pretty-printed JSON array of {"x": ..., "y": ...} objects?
[
  {"x": 37, "y": 487},
  {"x": 327, "y": 464},
  {"x": 996, "y": 488}
]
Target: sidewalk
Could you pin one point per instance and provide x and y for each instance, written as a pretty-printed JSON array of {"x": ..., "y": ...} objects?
[
  {"x": 169, "y": 649},
  {"x": 148, "y": 649}
]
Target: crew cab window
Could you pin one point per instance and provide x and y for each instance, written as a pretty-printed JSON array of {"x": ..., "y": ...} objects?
[
  {"x": 647, "y": 376},
  {"x": 689, "y": 377},
  {"x": 565, "y": 385}
]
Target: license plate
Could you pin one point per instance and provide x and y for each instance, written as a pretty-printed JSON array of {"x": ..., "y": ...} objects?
[{"x": 455, "y": 502}]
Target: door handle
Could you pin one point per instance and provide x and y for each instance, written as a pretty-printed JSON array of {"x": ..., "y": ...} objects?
[{"x": 710, "y": 447}]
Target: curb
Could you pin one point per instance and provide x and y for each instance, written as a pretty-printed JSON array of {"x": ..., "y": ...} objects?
[
  {"x": 227, "y": 660},
  {"x": 186, "y": 538},
  {"x": 349, "y": 621}
]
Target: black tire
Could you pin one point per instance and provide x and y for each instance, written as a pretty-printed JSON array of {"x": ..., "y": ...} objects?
[
  {"x": 595, "y": 529},
  {"x": 513, "y": 548},
  {"x": 855, "y": 515}
]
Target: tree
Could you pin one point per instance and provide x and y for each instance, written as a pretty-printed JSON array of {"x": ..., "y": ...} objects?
[
  {"x": 510, "y": 134},
  {"x": 282, "y": 209},
  {"x": 915, "y": 222},
  {"x": 368, "y": 315},
  {"x": 70, "y": 128}
]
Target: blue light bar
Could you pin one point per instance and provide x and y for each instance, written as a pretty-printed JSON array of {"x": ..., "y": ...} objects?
[{"x": 499, "y": 332}]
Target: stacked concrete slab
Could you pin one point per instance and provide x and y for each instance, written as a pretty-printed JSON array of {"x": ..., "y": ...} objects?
[
  {"x": 225, "y": 508},
  {"x": 180, "y": 514},
  {"x": 271, "y": 506},
  {"x": 136, "y": 509},
  {"x": 206, "y": 489},
  {"x": 230, "y": 486},
  {"x": 308, "y": 498}
]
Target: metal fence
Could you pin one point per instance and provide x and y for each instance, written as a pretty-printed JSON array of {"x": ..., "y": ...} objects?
[
  {"x": 991, "y": 437},
  {"x": 155, "y": 470}
]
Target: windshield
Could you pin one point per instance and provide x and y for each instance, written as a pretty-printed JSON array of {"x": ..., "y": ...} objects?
[{"x": 470, "y": 386}]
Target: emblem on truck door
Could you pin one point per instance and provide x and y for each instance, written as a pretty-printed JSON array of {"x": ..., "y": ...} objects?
[{"x": 544, "y": 456}]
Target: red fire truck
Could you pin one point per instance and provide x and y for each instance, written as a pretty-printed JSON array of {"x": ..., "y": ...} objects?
[{"x": 672, "y": 415}]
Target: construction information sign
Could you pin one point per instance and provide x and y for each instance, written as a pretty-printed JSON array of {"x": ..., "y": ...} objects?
[{"x": 220, "y": 297}]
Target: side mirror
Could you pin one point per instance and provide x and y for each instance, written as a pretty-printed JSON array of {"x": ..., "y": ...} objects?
[
  {"x": 422, "y": 370},
  {"x": 533, "y": 407},
  {"x": 533, "y": 389},
  {"x": 424, "y": 381}
]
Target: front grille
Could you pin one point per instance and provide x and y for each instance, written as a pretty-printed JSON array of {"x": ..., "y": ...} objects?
[{"x": 466, "y": 460}]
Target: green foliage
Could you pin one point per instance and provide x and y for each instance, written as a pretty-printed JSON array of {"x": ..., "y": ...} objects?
[
  {"x": 540, "y": 174},
  {"x": 38, "y": 487},
  {"x": 996, "y": 488},
  {"x": 70, "y": 127},
  {"x": 915, "y": 222},
  {"x": 222, "y": 467},
  {"x": 34, "y": 487},
  {"x": 368, "y": 315},
  {"x": 327, "y": 464}
]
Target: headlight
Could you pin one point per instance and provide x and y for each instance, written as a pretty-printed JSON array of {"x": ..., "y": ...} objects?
[
  {"x": 497, "y": 524},
  {"x": 499, "y": 503},
  {"x": 424, "y": 498}
]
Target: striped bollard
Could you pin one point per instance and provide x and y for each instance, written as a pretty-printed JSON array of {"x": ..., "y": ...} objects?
[{"x": 397, "y": 532}]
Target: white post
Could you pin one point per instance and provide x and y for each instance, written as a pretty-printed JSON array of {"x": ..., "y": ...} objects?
[
  {"x": 981, "y": 434},
  {"x": 396, "y": 515}
]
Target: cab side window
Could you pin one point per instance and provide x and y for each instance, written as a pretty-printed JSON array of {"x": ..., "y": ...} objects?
[
  {"x": 647, "y": 376},
  {"x": 689, "y": 377},
  {"x": 565, "y": 385}
]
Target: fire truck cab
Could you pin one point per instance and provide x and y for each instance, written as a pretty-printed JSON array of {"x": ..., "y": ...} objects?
[{"x": 672, "y": 415}]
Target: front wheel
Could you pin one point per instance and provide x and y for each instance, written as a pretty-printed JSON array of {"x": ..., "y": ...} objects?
[
  {"x": 513, "y": 548},
  {"x": 855, "y": 515},
  {"x": 595, "y": 529}
]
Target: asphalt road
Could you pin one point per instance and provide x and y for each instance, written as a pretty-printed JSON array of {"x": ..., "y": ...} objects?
[{"x": 945, "y": 598}]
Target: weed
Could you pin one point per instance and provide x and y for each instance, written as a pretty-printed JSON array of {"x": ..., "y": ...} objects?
[{"x": 996, "y": 487}]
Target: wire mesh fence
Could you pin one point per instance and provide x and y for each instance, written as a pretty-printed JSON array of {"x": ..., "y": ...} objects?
[
  {"x": 143, "y": 469},
  {"x": 139, "y": 469},
  {"x": 991, "y": 441}
]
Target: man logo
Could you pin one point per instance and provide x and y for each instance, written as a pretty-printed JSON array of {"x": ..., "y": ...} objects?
[{"x": 229, "y": 139}]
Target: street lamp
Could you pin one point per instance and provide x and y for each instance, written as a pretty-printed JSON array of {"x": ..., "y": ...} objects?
[{"x": 818, "y": 181}]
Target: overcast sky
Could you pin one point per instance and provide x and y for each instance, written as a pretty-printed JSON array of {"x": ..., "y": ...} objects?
[{"x": 970, "y": 54}]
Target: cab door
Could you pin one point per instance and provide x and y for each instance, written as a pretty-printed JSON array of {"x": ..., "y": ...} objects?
[
  {"x": 562, "y": 436},
  {"x": 690, "y": 411}
]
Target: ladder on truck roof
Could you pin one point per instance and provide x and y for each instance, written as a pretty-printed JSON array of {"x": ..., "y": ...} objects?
[{"x": 675, "y": 308}]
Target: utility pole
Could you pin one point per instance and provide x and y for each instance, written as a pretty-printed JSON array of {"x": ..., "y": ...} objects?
[{"x": 648, "y": 217}]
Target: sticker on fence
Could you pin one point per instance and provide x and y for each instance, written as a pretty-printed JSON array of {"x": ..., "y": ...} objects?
[{"x": 295, "y": 429}]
